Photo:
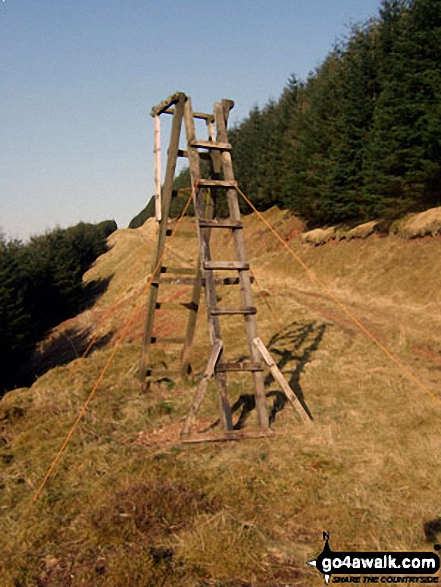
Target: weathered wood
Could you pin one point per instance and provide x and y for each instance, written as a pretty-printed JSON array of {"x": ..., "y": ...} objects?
[
  {"x": 199, "y": 206},
  {"x": 227, "y": 106},
  {"x": 157, "y": 168},
  {"x": 206, "y": 223},
  {"x": 178, "y": 99},
  {"x": 228, "y": 436},
  {"x": 215, "y": 145},
  {"x": 216, "y": 352},
  {"x": 219, "y": 155},
  {"x": 239, "y": 366},
  {"x": 221, "y": 113},
  {"x": 226, "y": 266},
  {"x": 215, "y": 183},
  {"x": 219, "y": 311},
  {"x": 205, "y": 255},
  {"x": 200, "y": 115},
  {"x": 278, "y": 376},
  {"x": 165, "y": 104}
]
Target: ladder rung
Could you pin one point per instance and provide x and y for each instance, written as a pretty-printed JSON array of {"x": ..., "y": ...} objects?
[
  {"x": 167, "y": 340},
  {"x": 181, "y": 233},
  {"x": 226, "y": 436},
  {"x": 219, "y": 311},
  {"x": 215, "y": 183},
  {"x": 200, "y": 115},
  {"x": 226, "y": 265},
  {"x": 176, "y": 305},
  {"x": 178, "y": 270},
  {"x": 197, "y": 144},
  {"x": 208, "y": 223},
  {"x": 242, "y": 366}
]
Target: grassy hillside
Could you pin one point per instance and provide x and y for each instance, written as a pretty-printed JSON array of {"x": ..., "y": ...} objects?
[{"x": 128, "y": 504}]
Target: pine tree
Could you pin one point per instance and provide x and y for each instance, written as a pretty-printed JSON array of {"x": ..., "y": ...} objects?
[
  {"x": 309, "y": 139},
  {"x": 355, "y": 96},
  {"x": 15, "y": 319},
  {"x": 403, "y": 157}
]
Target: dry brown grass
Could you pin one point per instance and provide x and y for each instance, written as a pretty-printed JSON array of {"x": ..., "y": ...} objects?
[
  {"x": 422, "y": 224},
  {"x": 128, "y": 505}
]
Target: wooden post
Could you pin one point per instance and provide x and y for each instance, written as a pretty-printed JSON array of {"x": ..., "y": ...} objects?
[
  {"x": 278, "y": 376},
  {"x": 157, "y": 167},
  {"x": 202, "y": 387}
]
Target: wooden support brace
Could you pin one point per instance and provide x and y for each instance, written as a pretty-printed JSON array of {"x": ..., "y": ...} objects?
[
  {"x": 276, "y": 373},
  {"x": 167, "y": 103},
  {"x": 202, "y": 387},
  {"x": 229, "y": 435}
]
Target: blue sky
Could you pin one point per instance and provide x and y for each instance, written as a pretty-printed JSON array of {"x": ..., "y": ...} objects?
[{"x": 78, "y": 79}]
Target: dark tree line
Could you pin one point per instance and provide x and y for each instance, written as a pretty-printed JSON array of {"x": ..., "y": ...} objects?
[
  {"x": 40, "y": 286},
  {"x": 361, "y": 137}
]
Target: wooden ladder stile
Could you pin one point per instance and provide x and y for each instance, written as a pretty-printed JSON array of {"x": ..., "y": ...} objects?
[
  {"x": 207, "y": 191},
  {"x": 222, "y": 164}
]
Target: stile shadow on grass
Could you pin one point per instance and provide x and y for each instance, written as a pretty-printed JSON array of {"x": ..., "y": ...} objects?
[{"x": 292, "y": 349}]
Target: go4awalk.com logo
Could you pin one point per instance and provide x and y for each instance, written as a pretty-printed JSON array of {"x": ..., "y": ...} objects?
[{"x": 377, "y": 567}]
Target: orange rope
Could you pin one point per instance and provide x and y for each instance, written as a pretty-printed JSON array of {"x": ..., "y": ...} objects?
[
  {"x": 109, "y": 361},
  {"x": 334, "y": 298}
]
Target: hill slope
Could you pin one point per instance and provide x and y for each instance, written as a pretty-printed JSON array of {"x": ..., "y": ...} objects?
[{"x": 127, "y": 504}]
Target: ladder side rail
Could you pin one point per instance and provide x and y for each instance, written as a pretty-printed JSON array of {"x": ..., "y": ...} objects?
[
  {"x": 172, "y": 156},
  {"x": 214, "y": 161},
  {"x": 216, "y": 352},
  {"x": 205, "y": 254},
  {"x": 221, "y": 111},
  {"x": 203, "y": 235}
]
